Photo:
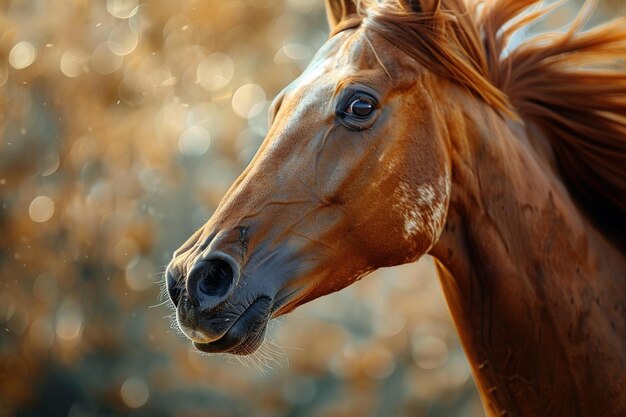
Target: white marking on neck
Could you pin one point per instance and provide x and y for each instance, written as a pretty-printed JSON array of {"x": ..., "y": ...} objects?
[{"x": 424, "y": 208}]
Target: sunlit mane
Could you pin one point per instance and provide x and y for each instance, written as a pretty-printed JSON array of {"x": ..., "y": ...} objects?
[{"x": 557, "y": 81}]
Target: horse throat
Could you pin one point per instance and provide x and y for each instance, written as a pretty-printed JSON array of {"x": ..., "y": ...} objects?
[{"x": 538, "y": 296}]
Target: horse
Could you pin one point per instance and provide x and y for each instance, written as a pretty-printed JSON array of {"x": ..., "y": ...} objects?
[{"x": 416, "y": 130}]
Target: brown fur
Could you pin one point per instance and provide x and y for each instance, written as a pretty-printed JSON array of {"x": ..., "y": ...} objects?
[
  {"x": 548, "y": 81},
  {"x": 460, "y": 160}
]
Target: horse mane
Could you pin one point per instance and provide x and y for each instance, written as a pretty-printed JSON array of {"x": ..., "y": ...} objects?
[{"x": 572, "y": 84}]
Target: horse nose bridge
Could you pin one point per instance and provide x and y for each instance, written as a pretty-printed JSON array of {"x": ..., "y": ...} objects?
[{"x": 223, "y": 238}]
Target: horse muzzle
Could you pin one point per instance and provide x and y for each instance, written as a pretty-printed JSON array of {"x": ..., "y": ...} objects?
[
  {"x": 246, "y": 333},
  {"x": 209, "y": 311}
]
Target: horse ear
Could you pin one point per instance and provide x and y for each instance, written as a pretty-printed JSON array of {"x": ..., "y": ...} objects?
[{"x": 337, "y": 10}]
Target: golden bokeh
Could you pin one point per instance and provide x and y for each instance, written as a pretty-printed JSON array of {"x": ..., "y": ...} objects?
[{"x": 122, "y": 124}]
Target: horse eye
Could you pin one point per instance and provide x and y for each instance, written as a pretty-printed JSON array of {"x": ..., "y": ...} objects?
[
  {"x": 360, "y": 107},
  {"x": 357, "y": 110}
]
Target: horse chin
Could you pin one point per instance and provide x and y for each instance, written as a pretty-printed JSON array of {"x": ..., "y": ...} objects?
[{"x": 246, "y": 334}]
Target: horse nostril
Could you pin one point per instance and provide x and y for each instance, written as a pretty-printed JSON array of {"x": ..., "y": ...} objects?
[
  {"x": 173, "y": 288},
  {"x": 216, "y": 279},
  {"x": 210, "y": 282}
]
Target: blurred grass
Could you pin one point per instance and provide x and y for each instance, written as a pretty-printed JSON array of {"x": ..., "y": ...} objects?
[{"x": 122, "y": 125}]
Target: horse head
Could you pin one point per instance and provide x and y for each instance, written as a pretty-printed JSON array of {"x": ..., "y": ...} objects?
[{"x": 352, "y": 176}]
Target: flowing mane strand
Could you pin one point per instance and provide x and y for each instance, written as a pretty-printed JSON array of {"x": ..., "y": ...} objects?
[{"x": 572, "y": 85}]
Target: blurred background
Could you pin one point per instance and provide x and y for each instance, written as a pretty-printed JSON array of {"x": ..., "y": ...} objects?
[{"x": 122, "y": 123}]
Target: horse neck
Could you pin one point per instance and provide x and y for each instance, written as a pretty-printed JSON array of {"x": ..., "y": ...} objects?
[{"x": 529, "y": 282}]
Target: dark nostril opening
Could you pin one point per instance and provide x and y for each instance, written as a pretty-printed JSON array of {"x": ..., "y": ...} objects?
[
  {"x": 216, "y": 278},
  {"x": 210, "y": 281},
  {"x": 173, "y": 288}
]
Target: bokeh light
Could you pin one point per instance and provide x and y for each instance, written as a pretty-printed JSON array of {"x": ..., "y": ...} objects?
[
  {"x": 122, "y": 40},
  {"x": 215, "y": 71},
  {"x": 122, "y": 9},
  {"x": 41, "y": 209},
  {"x": 122, "y": 125},
  {"x": 194, "y": 141},
  {"x": 104, "y": 60},
  {"x": 22, "y": 55},
  {"x": 247, "y": 99},
  {"x": 69, "y": 324},
  {"x": 73, "y": 62},
  {"x": 135, "y": 392}
]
